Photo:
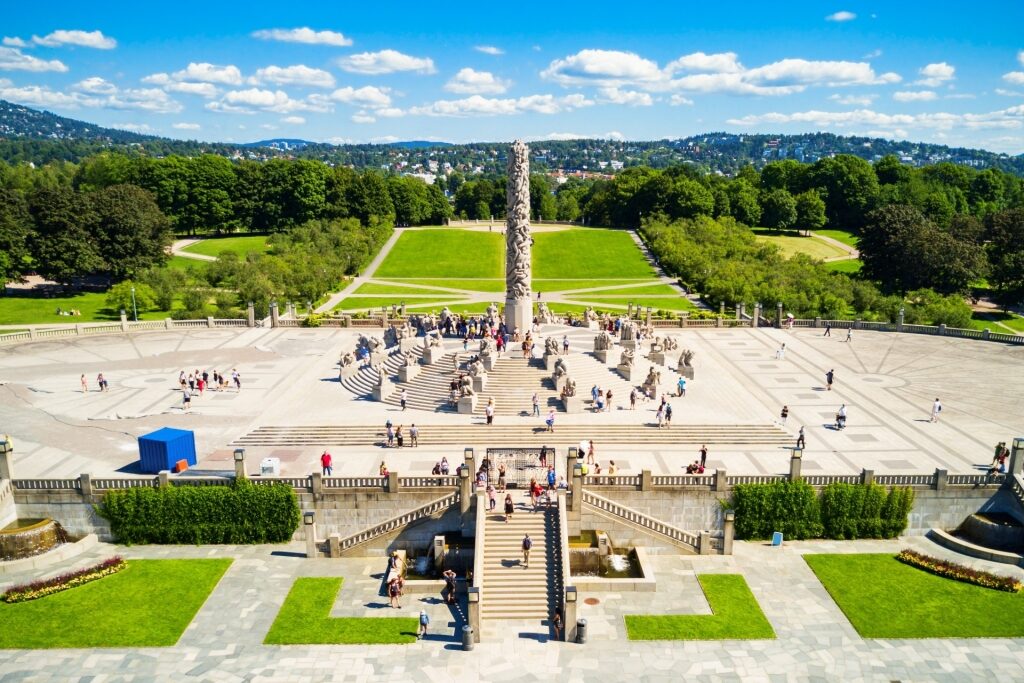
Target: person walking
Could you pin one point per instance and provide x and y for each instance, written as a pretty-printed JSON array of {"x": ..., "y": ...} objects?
[
  {"x": 680, "y": 387},
  {"x": 608, "y": 400},
  {"x": 668, "y": 415},
  {"x": 829, "y": 377},
  {"x": 449, "y": 585},
  {"x": 414, "y": 435},
  {"x": 841, "y": 417},
  {"x": 489, "y": 411},
  {"x": 492, "y": 498},
  {"x": 703, "y": 455},
  {"x": 536, "y": 404},
  {"x": 404, "y": 397},
  {"x": 936, "y": 409},
  {"x": 550, "y": 421},
  {"x": 85, "y": 384},
  {"x": 527, "y": 546},
  {"x": 660, "y": 416},
  {"x": 186, "y": 400},
  {"x": 590, "y": 453},
  {"x": 828, "y": 330},
  {"x": 552, "y": 477},
  {"x": 632, "y": 399},
  {"x": 556, "y": 623},
  {"x": 783, "y": 415},
  {"x": 801, "y": 443},
  {"x": 501, "y": 477},
  {"x": 102, "y": 382},
  {"x": 849, "y": 334},
  {"x": 424, "y": 623},
  {"x": 509, "y": 507},
  {"x": 565, "y": 345},
  {"x": 781, "y": 353},
  {"x": 390, "y": 431},
  {"x": 326, "y": 464},
  {"x": 394, "y": 592},
  {"x": 398, "y": 436}
]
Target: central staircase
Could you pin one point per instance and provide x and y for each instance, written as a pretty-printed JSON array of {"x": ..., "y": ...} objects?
[{"x": 511, "y": 591}]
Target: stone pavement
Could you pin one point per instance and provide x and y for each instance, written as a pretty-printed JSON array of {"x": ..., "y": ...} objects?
[
  {"x": 888, "y": 382},
  {"x": 814, "y": 640}
]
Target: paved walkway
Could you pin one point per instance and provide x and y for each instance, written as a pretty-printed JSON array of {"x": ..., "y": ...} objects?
[
  {"x": 851, "y": 252},
  {"x": 814, "y": 639},
  {"x": 178, "y": 249}
]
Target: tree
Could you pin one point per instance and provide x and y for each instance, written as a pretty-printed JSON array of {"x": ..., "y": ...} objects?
[
  {"x": 131, "y": 232},
  {"x": 743, "y": 202},
  {"x": 1005, "y": 232},
  {"x": 61, "y": 245},
  {"x": 810, "y": 211},
  {"x": 166, "y": 284},
  {"x": 15, "y": 228},
  {"x": 371, "y": 198},
  {"x": 778, "y": 210},
  {"x": 849, "y": 187},
  {"x": 131, "y": 296},
  {"x": 542, "y": 202},
  {"x": 689, "y": 198}
]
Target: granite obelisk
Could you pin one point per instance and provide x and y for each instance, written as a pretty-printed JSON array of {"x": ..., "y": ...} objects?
[{"x": 518, "y": 303}]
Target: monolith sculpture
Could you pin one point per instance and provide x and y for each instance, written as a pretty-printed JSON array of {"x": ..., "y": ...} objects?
[{"x": 518, "y": 303}]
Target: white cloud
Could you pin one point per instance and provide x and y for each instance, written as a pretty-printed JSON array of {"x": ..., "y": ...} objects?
[
  {"x": 678, "y": 100},
  {"x": 303, "y": 35},
  {"x": 244, "y": 101},
  {"x": 632, "y": 98},
  {"x": 841, "y": 16},
  {"x": 805, "y": 72},
  {"x": 1015, "y": 77},
  {"x": 874, "y": 54},
  {"x": 472, "y": 82},
  {"x": 1009, "y": 93},
  {"x": 133, "y": 127},
  {"x": 293, "y": 120},
  {"x": 386, "y": 62},
  {"x": 935, "y": 74},
  {"x": 610, "y": 135},
  {"x": 145, "y": 99},
  {"x": 207, "y": 90},
  {"x": 476, "y": 105},
  {"x": 489, "y": 50},
  {"x": 389, "y": 112},
  {"x": 93, "y": 39},
  {"x": 204, "y": 72},
  {"x": 699, "y": 62},
  {"x": 1012, "y": 117},
  {"x": 858, "y": 100},
  {"x": 14, "y": 41},
  {"x": 298, "y": 74},
  {"x": 603, "y": 67},
  {"x": 367, "y": 96},
  {"x": 39, "y": 96},
  {"x": 363, "y": 117},
  {"x": 384, "y": 139},
  {"x": 1020, "y": 57},
  {"x": 12, "y": 59},
  {"x": 96, "y": 86},
  {"x": 268, "y": 126},
  {"x": 914, "y": 96},
  {"x": 959, "y": 96},
  {"x": 185, "y": 126}
]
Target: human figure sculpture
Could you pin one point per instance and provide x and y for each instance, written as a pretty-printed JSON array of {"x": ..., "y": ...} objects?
[
  {"x": 544, "y": 314},
  {"x": 653, "y": 379},
  {"x": 476, "y": 368},
  {"x": 603, "y": 341},
  {"x": 348, "y": 358},
  {"x": 561, "y": 367},
  {"x": 487, "y": 347},
  {"x": 408, "y": 358},
  {"x": 670, "y": 344},
  {"x": 382, "y": 376},
  {"x": 569, "y": 389},
  {"x": 656, "y": 346},
  {"x": 686, "y": 359},
  {"x": 589, "y": 315},
  {"x": 627, "y": 358},
  {"x": 492, "y": 314},
  {"x": 431, "y": 339},
  {"x": 551, "y": 347},
  {"x": 628, "y": 331},
  {"x": 466, "y": 386}
]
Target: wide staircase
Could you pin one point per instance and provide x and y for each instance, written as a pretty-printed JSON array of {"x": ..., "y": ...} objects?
[{"x": 510, "y": 590}]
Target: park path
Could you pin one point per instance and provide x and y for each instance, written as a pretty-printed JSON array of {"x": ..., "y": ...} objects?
[
  {"x": 851, "y": 252},
  {"x": 177, "y": 249},
  {"x": 364, "y": 276}
]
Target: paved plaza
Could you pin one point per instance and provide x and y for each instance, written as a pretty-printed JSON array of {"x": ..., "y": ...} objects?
[{"x": 289, "y": 377}]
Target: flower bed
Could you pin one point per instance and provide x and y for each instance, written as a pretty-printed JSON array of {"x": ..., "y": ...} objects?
[
  {"x": 958, "y": 572},
  {"x": 40, "y": 589}
]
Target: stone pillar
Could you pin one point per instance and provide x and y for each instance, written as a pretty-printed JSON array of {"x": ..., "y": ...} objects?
[
  {"x": 754, "y": 319},
  {"x": 308, "y": 521},
  {"x": 569, "y": 616},
  {"x": 817, "y": 321},
  {"x": 721, "y": 481},
  {"x": 518, "y": 298},
  {"x": 942, "y": 329},
  {"x": 728, "y": 531},
  {"x": 899, "y": 321},
  {"x": 465, "y": 491},
  {"x": 867, "y": 477},
  {"x": 646, "y": 480},
  {"x": 778, "y": 315},
  {"x": 629, "y": 309},
  {"x": 168, "y": 323},
  {"x": 6, "y": 458},
  {"x": 250, "y": 315},
  {"x": 438, "y": 546},
  {"x": 316, "y": 483},
  {"x": 704, "y": 543},
  {"x": 392, "y": 482},
  {"x": 721, "y": 308},
  {"x": 1016, "y": 457},
  {"x": 473, "y": 598},
  {"x": 941, "y": 476},
  {"x": 163, "y": 478},
  {"x": 741, "y": 308},
  {"x": 273, "y": 314},
  {"x": 985, "y": 333},
  {"x": 124, "y": 321},
  {"x": 85, "y": 484},
  {"x": 795, "y": 461},
  {"x": 240, "y": 463}
]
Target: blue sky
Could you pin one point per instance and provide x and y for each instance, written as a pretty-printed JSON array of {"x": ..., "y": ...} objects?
[{"x": 946, "y": 72}]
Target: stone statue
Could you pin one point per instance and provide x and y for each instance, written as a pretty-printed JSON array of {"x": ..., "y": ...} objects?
[
  {"x": 382, "y": 376},
  {"x": 408, "y": 358},
  {"x": 656, "y": 346},
  {"x": 671, "y": 344},
  {"x": 652, "y": 380},
  {"x": 476, "y": 368},
  {"x": 465, "y": 386},
  {"x": 686, "y": 359},
  {"x": 589, "y": 315},
  {"x": 518, "y": 243},
  {"x": 373, "y": 344},
  {"x": 550, "y": 346},
  {"x": 628, "y": 331},
  {"x": 446, "y": 314},
  {"x": 627, "y": 357},
  {"x": 487, "y": 347},
  {"x": 431, "y": 339},
  {"x": 492, "y": 314},
  {"x": 544, "y": 314},
  {"x": 348, "y": 358},
  {"x": 561, "y": 367},
  {"x": 569, "y": 389},
  {"x": 603, "y": 341}
]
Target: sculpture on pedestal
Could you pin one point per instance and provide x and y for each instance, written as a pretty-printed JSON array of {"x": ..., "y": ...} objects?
[
  {"x": 628, "y": 331},
  {"x": 603, "y": 341},
  {"x": 518, "y": 305},
  {"x": 561, "y": 368},
  {"x": 652, "y": 381},
  {"x": 347, "y": 359},
  {"x": 671, "y": 344},
  {"x": 466, "y": 386},
  {"x": 627, "y": 358},
  {"x": 569, "y": 389}
]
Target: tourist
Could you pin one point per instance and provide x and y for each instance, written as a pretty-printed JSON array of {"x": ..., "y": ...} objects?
[
  {"x": 565, "y": 344},
  {"x": 444, "y": 466},
  {"x": 84, "y": 384},
  {"x": 527, "y": 546},
  {"x": 783, "y": 415},
  {"x": 936, "y": 409},
  {"x": 181, "y": 379},
  {"x": 491, "y": 497},
  {"x": 551, "y": 477},
  {"x": 632, "y": 399},
  {"x": 102, "y": 382},
  {"x": 449, "y": 585},
  {"x": 668, "y": 415},
  {"x": 829, "y": 377},
  {"x": 550, "y": 421},
  {"x": 383, "y": 469},
  {"x": 594, "y": 391},
  {"x": 501, "y": 477},
  {"x": 436, "y": 472},
  {"x": 394, "y": 592},
  {"x": 556, "y": 623},
  {"x": 414, "y": 435},
  {"x": 532, "y": 492},
  {"x": 562, "y": 485},
  {"x": 236, "y": 377},
  {"x": 186, "y": 400},
  {"x": 781, "y": 353},
  {"x": 191, "y": 382},
  {"x": 398, "y": 436},
  {"x": 597, "y": 469},
  {"x": 536, "y": 404},
  {"x": 390, "y": 432},
  {"x": 612, "y": 469},
  {"x": 599, "y": 403},
  {"x": 424, "y": 623},
  {"x": 403, "y": 398},
  {"x": 800, "y": 441},
  {"x": 680, "y": 389},
  {"x": 200, "y": 385},
  {"x": 828, "y": 330},
  {"x": 841, "y": 417},
  {"x": 489, "y": 411},
  {"x": 326, "y": 468},
  {"x": 509, "y": 507},
  {"x": 608, "y": 400},
  {"x": 849, "y": 334},
  {"x": 703, "y": 455},
  {"x": 659, "y": 415}
]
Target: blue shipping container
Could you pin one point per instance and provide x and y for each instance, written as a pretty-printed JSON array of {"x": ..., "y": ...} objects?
[{"x": 159, "y": 450}]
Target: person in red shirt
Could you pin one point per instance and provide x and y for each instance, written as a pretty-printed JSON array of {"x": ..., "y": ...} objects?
[{"x": 326, "y": 464}]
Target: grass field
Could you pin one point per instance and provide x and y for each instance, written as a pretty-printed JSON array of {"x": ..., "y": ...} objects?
[
  {"x": 398, "y": 289},
  {"x": 215, "y": 246},
  {"x": 736, "y": 616},
  {"x": 850, "y": 266},
  {"x": 655, "y": 290},
  {"x": 475, "y": 285},
  {"x": 667, "y": 303},
  {"x": 147, "y": 604},
  {"x": 362, "y": 303},
  {"x": 16, "y": 310},
  {"x": 445, "y": 254},
  {"x": 588, "y": 253},
  {"x": 305, "y": 619},
  {"x": 884, "y": 598},
  {"x": 185, "y": 263},
  {"x": 844, "y": 236},
  {"x": 791, "y": 244},
  {"x": 980, "y": 321}
]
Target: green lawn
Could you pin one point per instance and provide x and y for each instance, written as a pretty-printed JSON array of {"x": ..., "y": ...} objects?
[
  {"x": 16, "y": 310},
  {"x": 791, "y": 243},
  {"x": 849, "y": 266},
  {"x": 476, "y": 285},
  {"x": 147, "y": 604},
  {"x": 362, "y": 303},
  {"x": 884, "y": 598},
  {"x": 398, "y": 289},
  {"x": 603, "y": 289},
  {"x": 844, "y": 236},
  {"x": 185, "y": 263},
  {"x": 305, "y": 619},
  {"x": 445, "y": 253},
  {"x": 980, "y": 321},
  {"x": 736, "y": 616},
  {"x": 551, "y": 285},
  {"x": 587, "y": 253},
  {"x": 667, "y": 303},
  {"x": 215, "y": 246}
]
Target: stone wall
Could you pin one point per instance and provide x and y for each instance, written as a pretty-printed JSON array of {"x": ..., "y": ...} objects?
[{"x": 67, "y": 507}]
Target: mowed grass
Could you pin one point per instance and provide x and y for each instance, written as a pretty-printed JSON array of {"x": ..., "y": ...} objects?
[
  {"x": 147, "y": 604},
  {"x": 215, "y": 246},
  {"x": 445, "y": 254},
  {"x": 489, "y": 286},
  {"x": 979, "y": 321},
  {"x": 791, "y": 243},
  {"x": 362, "y": 303},
  {"x": 656, "y": 290},
  {"x": 884, "y": 598},
  {"x": 667, "y": 303},
  {"x": 184, "y": 263},
  {"x": 398, "y": 289},
  {"x": 736, "y": 616},
  {"x": 588, "y": 253},
  {"x": 844, "y": 236},
  {"x": 17, "y": 310},
  {"x": 849, "y": 266},
  {"x": 305, "y": 619}
]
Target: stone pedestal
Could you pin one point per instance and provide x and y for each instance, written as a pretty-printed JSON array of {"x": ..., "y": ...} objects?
[
  {"x": 519, "y": 313},
  {"x": 573, "y": 404},
  {"x": 549, "y": 361},
  {"x": 346, "y": 371},
  {"x": 407, "y": 373},
  {"x": 630, "y": 344},
  {"x": 629, "y": 372},
  {"x": 467, "y": 405},
  {"x": 559, "y": 381},
  {"x": 382, "y": 391},
  {"x": 603, "y": 355},
  {"x": 432, "y": 354},
  {"x": 686, "y": 371},
  {"x": 408, "y": 344},
  {"x": 489, "y": 362},
  {"x": 377, "y": 357},
  {"x": 656, "y": 357},
  {"x": 479, "y": 382}
]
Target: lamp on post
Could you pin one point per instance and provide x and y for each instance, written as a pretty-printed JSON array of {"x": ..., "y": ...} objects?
[
  {"x": 135, "y": 310},
  {"x": 308, "y": 522}
]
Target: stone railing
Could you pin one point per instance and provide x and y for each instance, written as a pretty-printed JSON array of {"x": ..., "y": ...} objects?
[
  {"x": 6, "y": 491},
  {"x": 630, "y": 480},
  {"x": 563, "y": 540},
  {"x": 1018, "y": 487},
  {"x": 475, "y": 588},
  {"x": 756, "y": 479},
  {"x": 355, "y": 482},
  {"x": 46, "y": 484},
  {"x": 36, "y": 332},
  {"x": 647, "y": 523},
  {"x": 683, "y": 480},
  {"x": 125, "y": 483},
  {"x": 399, "y": 522},
  {"x": 427, "y": 482}
]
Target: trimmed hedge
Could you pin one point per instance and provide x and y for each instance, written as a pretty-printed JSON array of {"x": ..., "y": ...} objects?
[
  {"x": 240, "y": 513},
  {"x": 843, "y": 511}
]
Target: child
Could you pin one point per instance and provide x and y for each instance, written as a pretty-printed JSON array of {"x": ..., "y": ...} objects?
[{"x": 424, "y": 623}]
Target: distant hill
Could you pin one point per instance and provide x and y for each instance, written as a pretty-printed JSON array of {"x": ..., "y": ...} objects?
[{"x": 30, "y": 135}]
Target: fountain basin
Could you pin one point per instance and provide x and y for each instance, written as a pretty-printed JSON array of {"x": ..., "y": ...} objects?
[
  {"x": 995, "y": 530},
  {"x": 629, "y": 571},
  {"x": 28, "y": 537}
]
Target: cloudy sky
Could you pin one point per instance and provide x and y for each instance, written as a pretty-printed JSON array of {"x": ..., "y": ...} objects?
[{"x": 943, "y": 72}]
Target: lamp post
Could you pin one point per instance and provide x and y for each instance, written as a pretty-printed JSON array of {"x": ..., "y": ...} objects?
[
  {"x": 309, "y": 523},
  {"x": 135, "y": 310},
  {"x": 240, "y": 463}
]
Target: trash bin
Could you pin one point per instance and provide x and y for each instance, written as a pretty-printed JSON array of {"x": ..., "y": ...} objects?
[
  {"x": 467, "y": 638},
  {"x": 581, "y": 631}
]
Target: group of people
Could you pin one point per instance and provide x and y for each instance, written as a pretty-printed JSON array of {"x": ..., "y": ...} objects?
[
  {"x": 664, "y": 413},
  {"x": 698, "y": 465},
  {"x": 601, "y": 400},
  {"x": 395, "y": 437},
  {"x": 101, "y": 382}
]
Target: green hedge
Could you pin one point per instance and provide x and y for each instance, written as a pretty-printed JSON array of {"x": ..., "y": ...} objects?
[
  {"x": 240, "y": 513},
  {"x": 842, "y": 510}
]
